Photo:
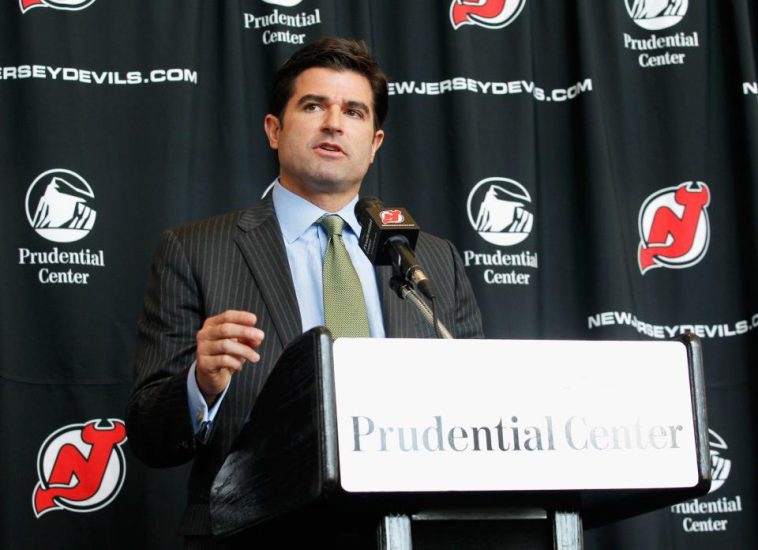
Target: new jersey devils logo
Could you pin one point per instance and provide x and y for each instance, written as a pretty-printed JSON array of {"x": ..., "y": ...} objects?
[
  {"x": 674, "y": 227},
  {"x": 491, "y": 14},
  {"x": 391, "y": 216},
  {"x": 70, "y": 5},
  {"x": 81, "y": 467}
]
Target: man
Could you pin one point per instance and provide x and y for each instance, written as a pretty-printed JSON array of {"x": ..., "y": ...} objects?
[{"x": 225, "y": 295}]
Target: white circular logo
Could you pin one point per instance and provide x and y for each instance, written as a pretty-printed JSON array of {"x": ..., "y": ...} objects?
[
  {"x": 655, "y": 15},
  {"x": 57, "y": 206},
  {"x": 498, "y": 209}
]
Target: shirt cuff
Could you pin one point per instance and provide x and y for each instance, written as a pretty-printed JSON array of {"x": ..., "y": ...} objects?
[{"x": 199, "y": 411}]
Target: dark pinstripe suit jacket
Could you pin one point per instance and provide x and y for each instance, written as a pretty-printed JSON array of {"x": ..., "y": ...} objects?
[{"x": 238, "y": 261}]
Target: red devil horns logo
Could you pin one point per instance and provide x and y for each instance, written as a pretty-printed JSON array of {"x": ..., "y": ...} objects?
[
  {"x": 68, "y": 5},
  {"x": 674, "y": 228},
  {"x": 392, "y": 216},
  {"x": 491, "y": 14},
  {"x": 81, "y": 467}
]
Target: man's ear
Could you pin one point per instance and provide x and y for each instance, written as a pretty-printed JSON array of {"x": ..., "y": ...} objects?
[
  {"x": 376, "y": 143},
  {"x": 272, "y": 127}
]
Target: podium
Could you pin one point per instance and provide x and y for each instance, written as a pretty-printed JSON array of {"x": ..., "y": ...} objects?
[{"x": 528, "y": 441}]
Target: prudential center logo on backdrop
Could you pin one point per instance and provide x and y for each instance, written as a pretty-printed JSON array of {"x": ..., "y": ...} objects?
[
  {"x": 60, "y": 208},
  {"x": 712, "y": 513},
  {"x": 500, "y": 211},
  {"x": 658, "y": 50},
  {"x": 490, "y": 14}
]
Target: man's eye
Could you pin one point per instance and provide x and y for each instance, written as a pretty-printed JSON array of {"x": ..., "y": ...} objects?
[
  {"x": 312, "y": 107},
  {"x": 354, "y": 113}
]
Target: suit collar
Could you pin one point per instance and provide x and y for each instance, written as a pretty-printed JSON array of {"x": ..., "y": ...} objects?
[{"x": 257, "y": 214}]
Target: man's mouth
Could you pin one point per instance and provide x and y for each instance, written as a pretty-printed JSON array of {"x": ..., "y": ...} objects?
[{"x": 330, "y": 147}]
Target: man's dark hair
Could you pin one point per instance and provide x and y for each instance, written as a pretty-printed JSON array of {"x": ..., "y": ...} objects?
[{"x": 339, "y": 54}]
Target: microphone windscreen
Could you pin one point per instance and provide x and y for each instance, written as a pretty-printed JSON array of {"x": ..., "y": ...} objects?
[
  {"x": 363, "y": 205},
  {"x": 381, "y": 224}
]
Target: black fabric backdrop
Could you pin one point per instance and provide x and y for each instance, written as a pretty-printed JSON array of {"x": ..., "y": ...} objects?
[{"x": 158, "y": 108}]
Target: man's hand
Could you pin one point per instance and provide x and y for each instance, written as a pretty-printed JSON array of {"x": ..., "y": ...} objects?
[{"x": 224, "y": 343}]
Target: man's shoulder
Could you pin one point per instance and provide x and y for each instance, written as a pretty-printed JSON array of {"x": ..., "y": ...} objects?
[
  {"x": 432, "y": 244},
  {"x": 211, "y": 224},
  {"x": 223, "y": 224}
]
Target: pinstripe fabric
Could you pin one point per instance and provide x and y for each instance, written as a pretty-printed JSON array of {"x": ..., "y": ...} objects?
[
  {"x": 457, "y": 307},
  {"x": 238, "y": 261}
]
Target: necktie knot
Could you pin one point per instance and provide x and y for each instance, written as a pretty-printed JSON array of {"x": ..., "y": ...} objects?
[{"x": 332, "y": 223}]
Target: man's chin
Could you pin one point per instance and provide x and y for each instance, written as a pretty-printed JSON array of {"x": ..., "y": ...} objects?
[{"x": 328, "y": 183}]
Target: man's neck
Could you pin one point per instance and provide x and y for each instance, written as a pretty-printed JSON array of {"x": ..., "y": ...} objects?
[{"x": 332, "y": 200}]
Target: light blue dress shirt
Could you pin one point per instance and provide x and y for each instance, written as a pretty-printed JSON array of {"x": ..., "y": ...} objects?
[{"x": 305, "y": 241}]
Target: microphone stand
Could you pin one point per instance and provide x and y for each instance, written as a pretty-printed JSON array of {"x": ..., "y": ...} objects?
[{"x": 406, "y": 291}]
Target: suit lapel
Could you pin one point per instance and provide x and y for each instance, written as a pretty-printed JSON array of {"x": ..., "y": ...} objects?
[{"x": 260, "y": 241}]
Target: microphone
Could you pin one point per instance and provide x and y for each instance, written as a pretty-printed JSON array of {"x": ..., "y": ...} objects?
[{"x": 388, "y": 237}]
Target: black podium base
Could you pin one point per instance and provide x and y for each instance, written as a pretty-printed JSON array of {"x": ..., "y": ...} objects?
[
  {"x": 522, "y": 529},
  {"x": 481, "y": 535}
]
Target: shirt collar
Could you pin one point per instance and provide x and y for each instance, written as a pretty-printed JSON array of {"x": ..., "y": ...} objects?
[{"x": 296, "y": 214}]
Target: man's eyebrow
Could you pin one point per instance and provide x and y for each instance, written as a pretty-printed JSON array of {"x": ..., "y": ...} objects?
[
  {"x": 358, "y": 105},
  {"x": 308, "y": 98},
  {"x": 352, "y": 104}
]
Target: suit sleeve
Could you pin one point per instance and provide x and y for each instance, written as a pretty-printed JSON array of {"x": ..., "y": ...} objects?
[{"x": 158, "y": 419}]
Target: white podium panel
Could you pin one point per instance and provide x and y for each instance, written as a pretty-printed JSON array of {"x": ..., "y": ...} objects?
[{"x": 511, "y": 415}]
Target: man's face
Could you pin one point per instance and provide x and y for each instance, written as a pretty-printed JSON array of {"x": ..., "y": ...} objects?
[{"x": 325, "y": 138}]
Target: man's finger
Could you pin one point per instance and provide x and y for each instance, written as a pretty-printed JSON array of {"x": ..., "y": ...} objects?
[
  {"x": 232, "y": 316},
  {"x": 227, "y": 347},
  {"x": 231, "y": 331}
]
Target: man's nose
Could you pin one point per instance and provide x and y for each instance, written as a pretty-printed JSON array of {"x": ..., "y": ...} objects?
[{"x": 332, "y": 119}]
